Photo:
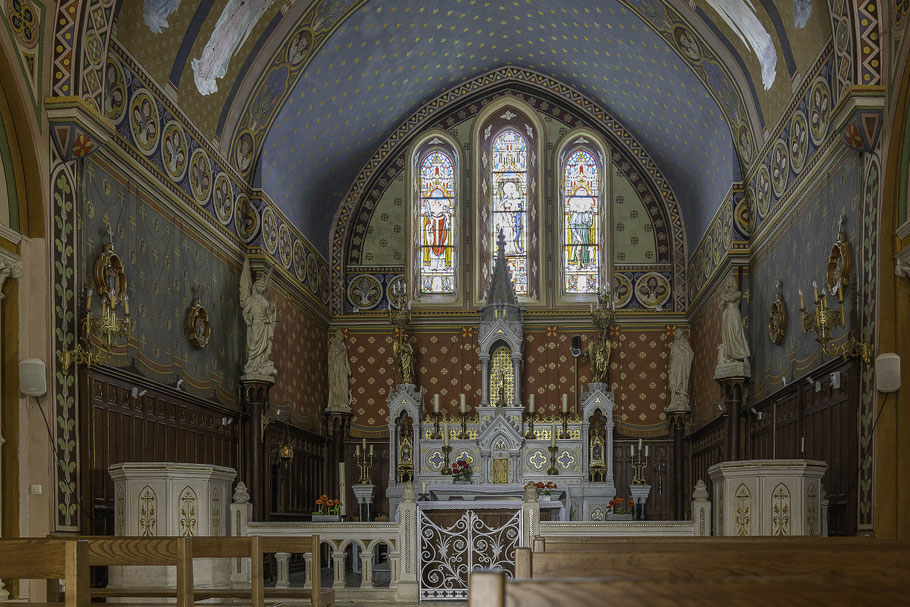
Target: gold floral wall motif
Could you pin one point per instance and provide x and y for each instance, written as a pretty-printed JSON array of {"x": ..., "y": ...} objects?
[
  {"x": 743, "y": 518},
  {"x": 187, "y": 513},
  {"x": 780, "y": 510},
  {"x": 148, "y": 512}
]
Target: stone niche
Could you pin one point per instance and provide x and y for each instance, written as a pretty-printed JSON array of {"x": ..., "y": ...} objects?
[
  {"x": 172, "y": 499},
  {"x": 768, "y": 497}
]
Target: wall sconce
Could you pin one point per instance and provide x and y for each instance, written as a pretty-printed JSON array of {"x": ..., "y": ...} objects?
[
  {"x": 105, "y": 332},
  {"x": 823, "y": 319}
]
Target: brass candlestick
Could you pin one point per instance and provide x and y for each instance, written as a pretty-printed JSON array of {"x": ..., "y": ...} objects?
[
  {"x": 564, "y": 433},
  {"x": 553, "y": 470},
  {"x": 436, "y": 434},
  {"x": 365, "y": 461},
  {"x": 823, "y": 319},
  {"x": 464, "y": 425},
  {"x": 530, "y": 433},
  {"x": 446, "y": 469},
  {"x": 639, "y": 463}
]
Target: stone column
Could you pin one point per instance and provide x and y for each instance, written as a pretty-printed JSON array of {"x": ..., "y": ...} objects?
[
  {"x": 530, "y": 517},
  {"x": 241, "y": 511},
  {"x": 338, "y": 566},
  {"x": 366, "y": 567},
  {"x": 308, "y": 559},
  {"x": 485, "y": 380},
  {"x": 677, "y": 425},
  {"x": 407, "y": 521},
  {"x": 337, "y": 426},
  {"x": 733, "y": 388},
  {"x": 701, "y": 509},
  {"x": 516, "y": 379},
  {"x": 9, "y": 268},
  {"x": 256, "y": 398},
  {"x": 284, "y": 570}
]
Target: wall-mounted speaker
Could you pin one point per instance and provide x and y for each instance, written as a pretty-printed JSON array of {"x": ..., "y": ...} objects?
[
  {"x": 576, "y": 346},
  {"x": 32, "y": 377},
  {"x": 888, "y": 372}
]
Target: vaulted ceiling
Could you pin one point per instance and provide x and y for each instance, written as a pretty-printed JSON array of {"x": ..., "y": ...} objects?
[{"x": 298, "y": 95}]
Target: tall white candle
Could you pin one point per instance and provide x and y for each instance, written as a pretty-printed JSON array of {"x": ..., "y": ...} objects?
[
  {"x": 423, "y": 487},
  {"x": 553, "y": 436},
  {"x": 646, "y": 451},
  {"x": 445, "y": 434},
  {"x": 565, "y": 403},
  {"x": 364, "y": 444},
  {"x": 357, "y": 451},
  {"x": 531, "y": 403},
  {"x": 371, "y": 450},
  {"x": 461, "y": 404},
  {"x": 639, "y": 444},
  {"x": 435, "y": 403},
  {"x": 631, "y": 450}
]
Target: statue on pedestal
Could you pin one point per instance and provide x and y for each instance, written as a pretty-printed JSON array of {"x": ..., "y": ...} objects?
[
  {"x": 733, "y": 352},
  {"x": 599, "y": 353},
  {"x": 681, "y": 356},
  {"x": 339, "y": 375},
  {"x": 259, "y": 315},
  {"x": 404, "y": 358}
]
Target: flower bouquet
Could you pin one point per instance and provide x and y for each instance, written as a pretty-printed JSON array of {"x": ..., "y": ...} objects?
[
  {"x": 544, "y": 489},
  {"x": 327, "y": 509},
  {"x": 461, "y": 471},
  {"x": 621, "y": 508}
]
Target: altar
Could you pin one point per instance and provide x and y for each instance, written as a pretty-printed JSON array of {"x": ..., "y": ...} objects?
[{"x": 505, "y": 444}]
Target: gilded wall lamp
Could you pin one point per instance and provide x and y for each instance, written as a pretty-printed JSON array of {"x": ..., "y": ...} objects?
[
  {"x": 104, "y": 333},
  {"x": 823, "y": 319}
]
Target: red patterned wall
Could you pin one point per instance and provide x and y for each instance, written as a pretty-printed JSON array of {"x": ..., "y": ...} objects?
[
  {"x": 705, "y": 338},
  {"x": 447, "y": 365},
  {"x": 299, "y": 351}
]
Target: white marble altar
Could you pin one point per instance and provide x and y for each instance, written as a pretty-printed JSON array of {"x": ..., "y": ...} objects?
[{"x": 768, "y": 497}]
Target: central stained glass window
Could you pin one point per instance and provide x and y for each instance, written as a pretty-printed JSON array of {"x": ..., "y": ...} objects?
[
  {"x": 437, "y": 220},
  {"x": 510, "y": 203},
  {"x": 581, "y": 223}
]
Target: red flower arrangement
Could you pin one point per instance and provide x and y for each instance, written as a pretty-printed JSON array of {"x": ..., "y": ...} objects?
[
  {"x": 545, "y": 488},
  {"x": 619, "y": 505},
  {"x": 461, "y": 471},
  {"x": 327, "y": 505}
]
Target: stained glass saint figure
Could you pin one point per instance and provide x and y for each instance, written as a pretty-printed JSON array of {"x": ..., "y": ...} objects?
[
  {"x": 437, "y": 215},
  {"x": 581, "y": 223},
  {"x": 510, "y": 202}
]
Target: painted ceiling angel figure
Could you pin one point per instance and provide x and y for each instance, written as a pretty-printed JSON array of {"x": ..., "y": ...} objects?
[{"x": 259, "y": 315}]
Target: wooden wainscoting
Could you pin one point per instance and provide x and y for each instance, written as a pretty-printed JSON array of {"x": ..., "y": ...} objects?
[
  {"x": 293, "y": 486},
  {"x": 163, "y": 425},
  {"x": 707, "y": 446},
  {"x": 658, "y": 473}
]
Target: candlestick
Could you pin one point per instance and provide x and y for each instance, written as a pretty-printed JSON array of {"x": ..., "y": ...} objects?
[
  {"x": 639, "y": 464},
  {"x": 446, "y": 467},
  {"x": 552, "y": 470},
  {"x": 365, "y": 462}
]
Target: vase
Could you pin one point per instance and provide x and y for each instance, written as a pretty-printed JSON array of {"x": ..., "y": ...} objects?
[
  {"x": 326, "y": 518},
  {"x": 620, "y": 517},
  {"x": 543, "y": 497},
  {"x": 461, "y": 481}
]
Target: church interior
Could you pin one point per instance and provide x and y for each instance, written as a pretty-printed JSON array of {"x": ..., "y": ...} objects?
[{"x": 400, "y": 301}]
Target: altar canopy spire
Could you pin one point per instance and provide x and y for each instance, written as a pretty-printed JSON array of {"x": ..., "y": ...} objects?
[{"x": 501, "y": 289}]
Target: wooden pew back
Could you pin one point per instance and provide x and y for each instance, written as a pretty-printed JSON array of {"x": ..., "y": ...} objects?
[{"x": 44, "y": 559}]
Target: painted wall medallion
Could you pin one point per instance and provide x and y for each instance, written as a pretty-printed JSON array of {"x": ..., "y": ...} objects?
[
  {"x": 299, "y": 260},
  {"x": 777, "y": 321},
  {"x": 223, "y": 198},
  {"x": 763, "y": 191},
  {"x": 364, "y": 292},
  {"x": 115, "y": 99},
  {"x": 819, "y": 110},
  {"x": 284, "y": 246},
  {"x": 173, "y": 152},
  {"x": 269, "y": 230},
  {"x": 780, "y": 167},
  {"x": 246, "y": 218},
  {"x": 799, "y": 141},
  {"x": 200, "y": 176},
  {"x": 24, "y": 21},
  {"x": 312, "y": 269},
  {"x": 198, "y": 328},
  {"x": 324, "y": 285},
  {"x": 144, "y": 122},
  {"x": 652, "y": 290},
  {"x": 622, "y": 290}
]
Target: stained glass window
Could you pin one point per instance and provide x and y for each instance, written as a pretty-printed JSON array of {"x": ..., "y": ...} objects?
[
  {"x": 581, "y": 227},
  {"x": 510, "y": 202},
  {"x": 437, "y": 220}
]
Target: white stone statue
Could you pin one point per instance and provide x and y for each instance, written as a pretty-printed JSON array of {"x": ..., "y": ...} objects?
[
  {"x": 681, "y": 356},
  {"x": 733, "y": 352},
  {"x": 259, "y": 316},
  {"x": 339, "y": 375}
]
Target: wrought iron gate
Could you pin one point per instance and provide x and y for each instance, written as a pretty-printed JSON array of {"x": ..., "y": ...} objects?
[{"x": 448, "y": 554}]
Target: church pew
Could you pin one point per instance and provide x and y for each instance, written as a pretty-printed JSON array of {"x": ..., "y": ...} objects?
[
  {"x": 48, "y": 559},
  {"x": 699, "y": 563},
  {"x": 490, "y": 589},
  {"x": 631, "y": 544}
]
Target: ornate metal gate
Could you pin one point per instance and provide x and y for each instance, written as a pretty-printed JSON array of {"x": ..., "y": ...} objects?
[{"x": 448, "y": 554}]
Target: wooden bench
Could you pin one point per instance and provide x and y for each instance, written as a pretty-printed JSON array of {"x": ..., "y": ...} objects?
[
  {"x": 490, "y": 589},
  {"x": 671, "y": 544},
  {"x": 43, "y": 559},
  {"x": 700, "y": 563}
]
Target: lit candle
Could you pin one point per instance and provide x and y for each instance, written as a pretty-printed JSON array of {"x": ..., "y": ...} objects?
[
  {"x": 445, "y": 434},
  {"x": 646, "y": 451},
  {"x": 461, "y": 405},
  {"x": 435, "y": 403},
  {"x": 423, "y": 487},
  {"x": 565, "y": 403},
  {"x": 531, "y": 403},
  {"x": 815, "y": 286},
  {"x": 371, "y": 451},
  {"x": 802, "y": 304},
  {"x": 126, "y": 305},
  {"x": 553, "y": 436}
]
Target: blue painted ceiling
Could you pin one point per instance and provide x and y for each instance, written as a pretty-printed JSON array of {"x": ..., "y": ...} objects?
[{"x": 392, "y": 56}]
